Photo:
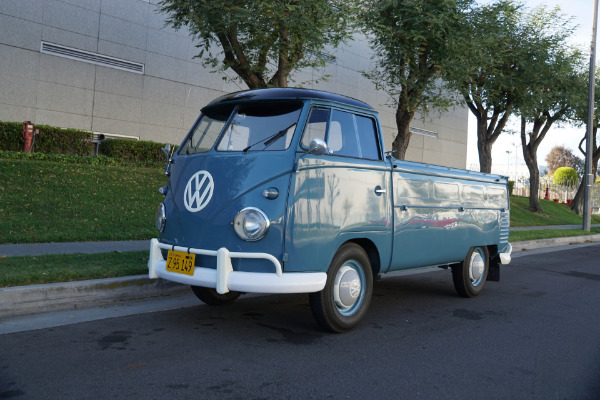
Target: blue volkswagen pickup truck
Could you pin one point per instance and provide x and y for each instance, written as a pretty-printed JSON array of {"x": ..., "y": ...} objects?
[{"x": 290, "y": 191}]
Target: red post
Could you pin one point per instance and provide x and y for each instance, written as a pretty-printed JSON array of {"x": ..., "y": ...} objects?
[
  {"x": 27, "y": 135},
  {"x": 547, "y": 196}
]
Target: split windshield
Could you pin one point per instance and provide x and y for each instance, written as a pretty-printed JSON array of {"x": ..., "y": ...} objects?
[{"x": 246, "y": 127}]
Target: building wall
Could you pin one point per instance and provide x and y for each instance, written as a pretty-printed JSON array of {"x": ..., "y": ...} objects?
[{"x": 163, "y": 102}]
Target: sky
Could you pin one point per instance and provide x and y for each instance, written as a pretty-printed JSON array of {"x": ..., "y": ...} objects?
[{"x": 567, "y": 135}]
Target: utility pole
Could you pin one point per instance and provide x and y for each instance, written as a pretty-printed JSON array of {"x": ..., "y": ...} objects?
[{"x": 589, "y": 179}]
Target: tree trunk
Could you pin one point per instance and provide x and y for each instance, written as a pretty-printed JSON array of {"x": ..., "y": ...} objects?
[
  {"x": 577, "y": 204},
  {"x": 487, "y": 134},
  {"x": 400, "y": 144},
  {"x": 530, "y": 156}
]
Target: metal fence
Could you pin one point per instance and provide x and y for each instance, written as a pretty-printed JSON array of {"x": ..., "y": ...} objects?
[{"x": 558, "y": 193}]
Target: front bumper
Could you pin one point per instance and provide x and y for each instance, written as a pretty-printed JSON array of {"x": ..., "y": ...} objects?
[{"x": 224, "y": 278}]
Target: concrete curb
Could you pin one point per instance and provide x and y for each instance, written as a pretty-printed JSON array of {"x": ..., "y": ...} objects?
[{"x": 70, "y": 295}]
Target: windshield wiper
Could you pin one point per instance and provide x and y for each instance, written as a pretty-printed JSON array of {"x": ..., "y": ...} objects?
[{"x": 271, "y": 139}]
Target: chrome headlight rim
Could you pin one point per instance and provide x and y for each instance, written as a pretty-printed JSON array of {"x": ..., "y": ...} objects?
[
  {"x": 161, "y": 217},
  {"x": 251, "y": 230}
]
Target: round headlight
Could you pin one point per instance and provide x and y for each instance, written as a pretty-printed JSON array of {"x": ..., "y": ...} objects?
[
  {"x": 161, "y": 217},
  {"x": 251, "y": 224}
]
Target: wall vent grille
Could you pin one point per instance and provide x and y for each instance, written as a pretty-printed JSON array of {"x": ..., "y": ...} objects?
[
  {"x": 92, "y": 58},
  {"x": 425, "y": 132}
]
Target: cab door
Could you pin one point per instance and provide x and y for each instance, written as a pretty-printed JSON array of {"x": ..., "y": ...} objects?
[{"x": 341, "y": 195}]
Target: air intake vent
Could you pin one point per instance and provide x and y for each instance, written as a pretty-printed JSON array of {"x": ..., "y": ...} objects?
[{"x": 92, "y": 58}]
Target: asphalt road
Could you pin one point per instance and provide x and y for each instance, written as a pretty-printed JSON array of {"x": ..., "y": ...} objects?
[{"x": 533, "y": 335}]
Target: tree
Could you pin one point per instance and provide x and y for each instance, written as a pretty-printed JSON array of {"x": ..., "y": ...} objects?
[
  {"x": 410, "y": 39},
  {"x": 262, "y": 41},
  {"x": 565, "y": 176},
  {"x": 554, "y": 85},
  {"x": 487, "y": 69},
  {"x": 561, "y": 156}
]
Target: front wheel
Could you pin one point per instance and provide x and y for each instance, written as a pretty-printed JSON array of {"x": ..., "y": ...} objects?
[
  {"x": 344, "y": 301},
  {"x": 470, "y": 275},
  {"x": 211, "y": 297}
]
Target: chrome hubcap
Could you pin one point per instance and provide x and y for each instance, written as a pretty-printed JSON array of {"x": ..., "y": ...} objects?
[
  {"x": 347, "y": 288},
  {"x": 476, "y": 268}
]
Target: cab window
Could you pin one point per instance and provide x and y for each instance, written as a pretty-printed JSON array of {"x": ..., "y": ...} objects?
[{"x": 345, "y": 133}]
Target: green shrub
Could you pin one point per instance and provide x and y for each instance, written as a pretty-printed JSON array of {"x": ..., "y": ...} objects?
[
  {"x": 133, "y": 150},
  {"x": 565, "y": 176},
  {"x": 511, "y": 186},
  {"x": 51, "y": 140},
  {"x": 11, "y": 136},
  {"x": 54, "y": 140}
]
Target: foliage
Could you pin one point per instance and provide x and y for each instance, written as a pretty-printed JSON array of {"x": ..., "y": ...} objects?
[
  {"x": 30, "y": 270},
  {"x": 133, "y": 150},
  {"x": 561, "y": 156},
  {"x": 11, "y": 136},
  {"x": 511, "y": 186},
  {"x": 487, "y": 69},
  {"x": 554, "y": 84},
  {"x": 410, "y": 39},
  {"x": 565, "y": 176},
  {"x": 51, "y": 140},
  {"x": 263, "y": 41},
  {"x": 44, "y": 201}
]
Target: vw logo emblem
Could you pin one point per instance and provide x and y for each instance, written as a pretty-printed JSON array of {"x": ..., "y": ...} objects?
[
  {"x": 355, "y": 288},
  {"x": 198, "y": 191}
]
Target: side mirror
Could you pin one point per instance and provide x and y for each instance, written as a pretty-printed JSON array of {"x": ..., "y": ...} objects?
[{"x": 317, "y": 147}]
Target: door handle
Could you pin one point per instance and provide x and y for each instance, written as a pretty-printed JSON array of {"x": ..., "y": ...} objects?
[{"x": 379, "y": 190}]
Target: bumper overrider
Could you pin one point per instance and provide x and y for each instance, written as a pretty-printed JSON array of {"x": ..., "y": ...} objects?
[
  {"x": 225, "y": 279},
  {"x": 505, "y": 257}
]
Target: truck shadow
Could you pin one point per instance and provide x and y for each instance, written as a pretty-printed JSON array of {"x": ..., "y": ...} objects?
[{"x": 287, "y": 318}]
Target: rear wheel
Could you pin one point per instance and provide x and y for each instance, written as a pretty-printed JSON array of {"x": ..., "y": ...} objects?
[
  {"x": 470, "y": 275},
  {"x": 212, "y": 297},
  {"x": 342, "y": 304}
]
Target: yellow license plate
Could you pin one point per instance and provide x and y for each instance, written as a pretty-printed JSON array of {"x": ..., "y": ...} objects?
[{"x": 181, "y": 262}]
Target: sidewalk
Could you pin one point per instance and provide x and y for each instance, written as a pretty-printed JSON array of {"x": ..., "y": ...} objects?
[
  {"x": 97, "y": 292},
  {"x": 38, "y": 249},
  {"x": 541, "y": 228}
]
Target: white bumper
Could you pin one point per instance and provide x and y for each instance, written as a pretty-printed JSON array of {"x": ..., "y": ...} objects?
[
  {"x": 224, "y": 278},
  {"x": 505, "y": 257}
]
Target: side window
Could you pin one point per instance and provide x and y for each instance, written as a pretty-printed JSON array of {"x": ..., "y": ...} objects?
[
  {"x": 346, "y": 134},
  {"x": 367, "y": 134},
  {"x": 343, "y": 137}
]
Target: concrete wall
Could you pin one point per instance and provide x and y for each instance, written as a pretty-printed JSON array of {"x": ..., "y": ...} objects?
[{"x": 162, "y": 103}]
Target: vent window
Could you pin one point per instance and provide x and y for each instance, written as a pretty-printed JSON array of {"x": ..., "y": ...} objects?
[{"x": 92, "y": 58}]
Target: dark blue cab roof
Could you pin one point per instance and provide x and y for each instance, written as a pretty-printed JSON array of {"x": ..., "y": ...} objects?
[{"x": 288, "y": 93}]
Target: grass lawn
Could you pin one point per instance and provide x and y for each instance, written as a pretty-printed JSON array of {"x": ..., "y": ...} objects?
[
  {"x": 31, "y": 270},
  {"x": 555, "y": 214},
  {"x": 43, "y": 201}
]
